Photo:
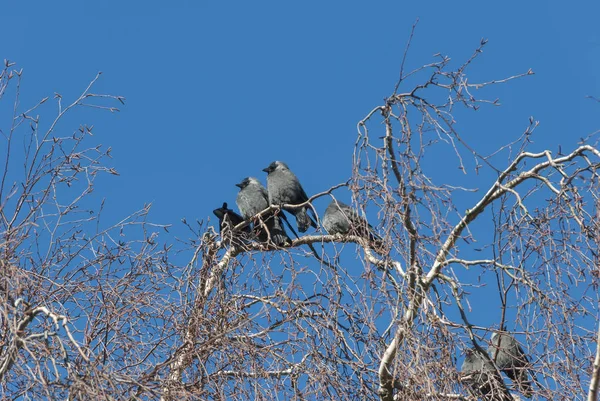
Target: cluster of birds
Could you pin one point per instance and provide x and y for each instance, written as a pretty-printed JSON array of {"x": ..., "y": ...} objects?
[
  {"x": 509, "y": 357},
  {"x": 284, "y": 188}
]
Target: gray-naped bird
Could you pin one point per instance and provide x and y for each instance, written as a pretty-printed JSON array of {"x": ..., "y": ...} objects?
[
  {"x": 483, "y": 377},
  {"x": 510, "y": 358},
  {"x": 253, "y": 199},
  {"x": 284, "y": 188},
  {"x": 340, "y": 218},
  {"x": 228, "y": 219}
]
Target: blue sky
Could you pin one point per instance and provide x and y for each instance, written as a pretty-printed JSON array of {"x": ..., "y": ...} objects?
[{"x": 215, "y": 91}]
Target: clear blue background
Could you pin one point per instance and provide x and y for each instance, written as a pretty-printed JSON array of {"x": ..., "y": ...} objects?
[{"x": 216, "y": 91}]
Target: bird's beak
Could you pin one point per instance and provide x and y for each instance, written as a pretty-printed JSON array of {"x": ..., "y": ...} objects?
[
  {"x": 239, "y": 186},
  {"x": 266, "y": 169}
]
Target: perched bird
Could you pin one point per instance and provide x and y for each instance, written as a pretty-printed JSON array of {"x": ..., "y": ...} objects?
[
  {"x": 228, "y": 219},
  {"x": 340, "y": 218},
  {"x": 510, "y": 358},
  {"x": 284, "y": 188},
  {"x": 253, "y": 199},
  {"x": 483, "y": 377}
]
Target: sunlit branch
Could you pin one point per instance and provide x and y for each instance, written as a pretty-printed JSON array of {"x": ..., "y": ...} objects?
[
  {"x": 595, "y": 379},
  {"x": 19, "y": 341}
]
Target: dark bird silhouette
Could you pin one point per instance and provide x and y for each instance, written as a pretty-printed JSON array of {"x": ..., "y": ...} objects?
[
  {"x": 228, "y": 219},
  {"x": 510, "y": 358},
  {"x": 482, "y": 377},
  {"x": 253, "y": 199},
  {"x": 284, "y": 188},
  {"x": 340, "y": 218}
]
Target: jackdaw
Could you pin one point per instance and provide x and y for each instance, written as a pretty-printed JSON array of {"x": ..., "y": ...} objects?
[
  {"x": 228, "y": 219},
  {"x": 253, "y": 199},
  {"x": 512, "y": 360},
  {"x": 482, "y": 376},
  {"x": 340, "y": 218},
  {"x": 284, "y": 188}
]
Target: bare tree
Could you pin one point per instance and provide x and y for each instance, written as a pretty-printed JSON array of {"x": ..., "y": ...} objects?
[{"x": 109, "y": 311}]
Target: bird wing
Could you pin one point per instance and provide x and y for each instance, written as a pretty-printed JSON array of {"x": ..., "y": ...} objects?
[
  {"x": 284, "y": 218},
  {"x": 303, "y": 196},
  {"x": 234, "y": 217},
  {"x": 263, "y": 191}
]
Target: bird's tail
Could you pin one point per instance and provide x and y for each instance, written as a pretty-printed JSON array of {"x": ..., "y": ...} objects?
[
  {"x": 287, "y": 223},
  {"x": 274, "y": 230},
  {"x": 304, "y": 220}
]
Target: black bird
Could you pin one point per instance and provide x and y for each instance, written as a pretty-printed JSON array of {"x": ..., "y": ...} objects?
[
  {"x": 253, "y": 199},
  {"x": 512, "y": 360},
  {"x": 482, "y": 376},
  {"x": 228, "y": 219},
  {"x": 284, "y": 188},
  {"x": 340, "y": 218}
]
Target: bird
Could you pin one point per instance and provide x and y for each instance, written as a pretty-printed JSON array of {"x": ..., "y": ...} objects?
[
  {"x": 510, "y": 358},
  {"x": 284, "y": 188},
  {"x": 228, "y": 219},
  {"x": 480, "y": 373},
  {"x": 340, "y": 218},
  {"x": 253, "y": 199}
]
